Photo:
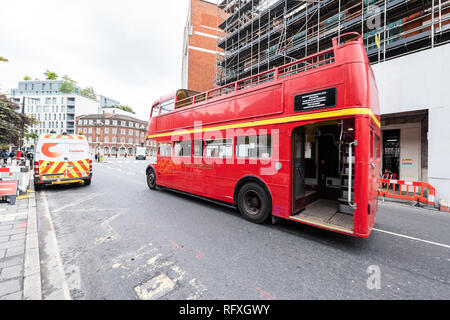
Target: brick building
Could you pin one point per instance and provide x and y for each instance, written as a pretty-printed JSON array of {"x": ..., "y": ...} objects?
[
  {"x": 199, "y": 48},
  {"x": 112, "y": 134}
]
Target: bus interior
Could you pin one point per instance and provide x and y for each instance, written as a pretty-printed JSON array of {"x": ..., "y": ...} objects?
[{"x": 321, "y": 173}]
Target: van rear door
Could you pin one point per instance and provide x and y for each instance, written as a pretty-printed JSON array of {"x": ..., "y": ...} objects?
[
  {"x": 77, "y": 158},
  {"x": 63, "y": 159}
]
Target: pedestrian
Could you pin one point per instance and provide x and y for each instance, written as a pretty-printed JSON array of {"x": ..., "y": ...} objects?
[
  {"x": 5, "y": 157},
  {"x": 96, "y": 157}
]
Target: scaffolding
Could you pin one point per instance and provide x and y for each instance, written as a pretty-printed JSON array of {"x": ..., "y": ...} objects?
[{"x": 258, "y": 35}]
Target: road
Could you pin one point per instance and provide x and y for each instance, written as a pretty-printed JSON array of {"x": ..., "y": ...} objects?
[{"x": 116, "y": 239}]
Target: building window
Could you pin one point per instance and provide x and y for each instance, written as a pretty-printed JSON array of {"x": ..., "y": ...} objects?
[
  {"x": 107, "y": 122},
  {"x": 114, "y": 131},
  {"x": 114, "y": 139},
  {"x": 97, "y": 130},
  {"x": 114, "y": 122},
  {"x": 90, "y": 130},
  {"x": 122, "y": 131},
  {"x": 106, "y": 130},
  {"x": 130, "y": 132},
  {"x": 106, "y": 139}
]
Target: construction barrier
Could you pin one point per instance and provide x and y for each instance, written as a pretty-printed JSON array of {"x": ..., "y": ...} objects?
[{"x": 408, "y": 190}]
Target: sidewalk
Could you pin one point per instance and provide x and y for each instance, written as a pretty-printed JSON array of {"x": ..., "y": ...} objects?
[{"x": 20, "y": 276}]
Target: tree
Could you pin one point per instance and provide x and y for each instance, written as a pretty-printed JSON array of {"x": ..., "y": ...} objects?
[
  {"x": 3, "y": 59},
  {"x": 68, "y": 85},
  {"x": 124, "y": 108},
  {"x": 51, "y": 75},
  {"x": 26, "y": 78},
  {"x": 12, "y": 123},
  {"x": 88, "y": 93},
  {"x": 31, "y": 136}
]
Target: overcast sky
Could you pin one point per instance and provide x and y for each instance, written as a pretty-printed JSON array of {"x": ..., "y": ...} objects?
[{"x": 128, "y": 50}]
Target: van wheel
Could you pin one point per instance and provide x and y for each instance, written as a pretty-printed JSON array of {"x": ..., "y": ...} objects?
[
  {"x": 37, "y": 187},
  {"x": 253, "y": 202},
  {"x": 151, "y": 179},
  {"x": 87, "y": 182}
]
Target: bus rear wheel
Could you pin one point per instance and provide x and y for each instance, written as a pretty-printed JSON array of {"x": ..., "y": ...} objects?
[
  {"x": 253, "y": 202},
  {"x": 151, "y": 179}
]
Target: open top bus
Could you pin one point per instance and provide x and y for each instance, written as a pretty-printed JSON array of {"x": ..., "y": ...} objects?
[{"x": 299, "y": 142}]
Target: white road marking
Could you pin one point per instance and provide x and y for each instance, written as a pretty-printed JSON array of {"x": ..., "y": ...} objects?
[
  {"x": 111, "y": 233},
  {"x": 52, "y": 250},
  {"x": 75, "y": 203},
  {"x": 412, "y": 238},
  {"x": 155, "y": 288}
]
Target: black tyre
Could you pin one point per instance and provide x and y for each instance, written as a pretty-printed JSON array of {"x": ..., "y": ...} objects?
[
  {"x": 151, "y": 179},
  {"x": 87, "y": 182},
  {"x": 254, "y": 202},
  {"x": 37, "y": 187}
]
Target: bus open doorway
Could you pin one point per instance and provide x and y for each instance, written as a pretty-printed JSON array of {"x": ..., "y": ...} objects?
[{"x": 320, "y": 174}]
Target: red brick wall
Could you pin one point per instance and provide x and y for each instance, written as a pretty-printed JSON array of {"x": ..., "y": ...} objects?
[{"x": 201, "y": 65}]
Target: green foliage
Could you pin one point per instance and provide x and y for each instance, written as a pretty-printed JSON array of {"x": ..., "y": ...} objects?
[
  {"x": 31, "y": 136},
  {"x": 3, "y": 59},
  {"x": 88, "y": 93},
  {"x": 51, "y": 75},
  {"x": 68, "y": 85},
  {"x": 124, "y": 108},
  {"x": 12, "y": 123},
  {"x": 26, "y": 78}
]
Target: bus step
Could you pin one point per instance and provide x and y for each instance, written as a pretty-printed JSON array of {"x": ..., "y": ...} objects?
[{"x": 345, "y": 208}]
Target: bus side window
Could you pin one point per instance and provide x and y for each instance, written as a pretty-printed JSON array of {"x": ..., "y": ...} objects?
[
  {"x": 254, "y": 146},
  {"x": 165, "y": 149},
  {"x": 198, "y": 148},
  {"x": 182, "y": 148},
  {"x": 221, "y": 148}
]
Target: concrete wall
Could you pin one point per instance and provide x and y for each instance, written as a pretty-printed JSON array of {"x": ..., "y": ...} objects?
[{"x": 419, "y": 81}]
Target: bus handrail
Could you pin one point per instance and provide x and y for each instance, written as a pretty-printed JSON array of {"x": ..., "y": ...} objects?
[{"x": 349, "y": 197}]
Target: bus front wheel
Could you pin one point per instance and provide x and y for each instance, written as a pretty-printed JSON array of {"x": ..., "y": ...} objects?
[
  {"x": 253, "y": 202},
  {"x": 151, "y": 179}
]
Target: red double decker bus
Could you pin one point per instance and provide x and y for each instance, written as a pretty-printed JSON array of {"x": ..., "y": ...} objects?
[{"x": 299, "y": 142}]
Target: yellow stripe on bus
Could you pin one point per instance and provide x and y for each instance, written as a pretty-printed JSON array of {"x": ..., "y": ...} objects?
[{"x": 301, "y": 117}]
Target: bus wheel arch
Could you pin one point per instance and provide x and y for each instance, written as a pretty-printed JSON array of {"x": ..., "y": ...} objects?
[{"x": 253, "y": 187}]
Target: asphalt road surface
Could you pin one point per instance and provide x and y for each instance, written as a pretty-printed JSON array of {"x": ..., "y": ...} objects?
[{"x": 116, "y": 239}]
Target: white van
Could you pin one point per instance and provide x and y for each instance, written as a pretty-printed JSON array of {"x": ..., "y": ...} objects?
[
  {"x": 62, "y": 158},
  {"x": 141, "y": 153}
]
